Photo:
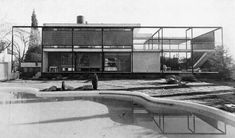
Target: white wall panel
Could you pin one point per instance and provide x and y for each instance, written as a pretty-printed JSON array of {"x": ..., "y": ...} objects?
[{"x": 146, "y": 62}]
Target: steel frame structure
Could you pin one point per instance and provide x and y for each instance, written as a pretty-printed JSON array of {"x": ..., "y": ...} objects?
[
  {"x": 159, "y": 33},
  {"x": 160, "y": 123}
]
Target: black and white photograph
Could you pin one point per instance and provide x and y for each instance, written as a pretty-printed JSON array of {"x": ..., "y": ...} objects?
[{"x": 117, "y": 68}]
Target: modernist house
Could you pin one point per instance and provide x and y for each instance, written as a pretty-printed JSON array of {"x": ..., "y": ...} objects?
[
  {"x": 85, "y": 47},
  {"x": 127, "y": 48}
]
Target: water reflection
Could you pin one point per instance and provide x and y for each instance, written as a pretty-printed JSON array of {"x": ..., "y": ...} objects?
[
  {"x": 189, "y": 124},
  {"x": 165, "y": 119}
]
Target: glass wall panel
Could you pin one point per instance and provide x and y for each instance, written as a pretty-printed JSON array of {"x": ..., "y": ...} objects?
[
  {"x": 205, "y": 41},
  {"x": 119, "y": 62},
  {"x": 87, "y": 37},
  {"x": 66, "y": 62},
  {"x": 57, "y": 36},
  {"x": 176, "y": 61},
  {"x": 54, "y": 62},
  {"x": 60, "y": 62},
  {"x": 88, "y": 62},
  {"x": 116, "y": 37}
]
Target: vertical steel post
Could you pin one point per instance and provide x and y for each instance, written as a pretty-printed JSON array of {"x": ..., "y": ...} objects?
[
  {"x": 158, "y": 40},
  {"x": 222, "y": 37},
  {"x": 194, "y": 124},
  {"x": 162, "y": 50},
  {"x": 192, "y": 50},
  {"x": 12, "y": 46},
  {"x": 163, "y": 123},
  {"x": 102, "y": 41},
  {"x": 186, "y": 49},
  {"x": 42, "y": 52},
  {"x": 148, "y": 45},
  {"x": 169, "y": 48},
  {"x": 73, "y": 69},
  {"x": 152, "y": 42},
  {"x": 222, "y": 44},
  {"x": 132, "y": 50}
]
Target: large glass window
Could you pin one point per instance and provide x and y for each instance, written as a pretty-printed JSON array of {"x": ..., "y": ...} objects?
[
  {"x": 57, "y": 36},
  {"x": 54, "y": 62},
  {"x": 118, "y": 37},
  {"x": 176, "y": 61},
  {"x": 60, "y": 62},
  {"x": 66, "y": 62},
  {"x": 205, "y": 41},
  {"x": 87, "y": 37},
  {"x": 120, "y": 62},
  {"x": 88, "y": 62}
]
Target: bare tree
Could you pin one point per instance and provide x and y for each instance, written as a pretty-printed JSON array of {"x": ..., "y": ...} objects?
[{"x": 20, "y": 44}]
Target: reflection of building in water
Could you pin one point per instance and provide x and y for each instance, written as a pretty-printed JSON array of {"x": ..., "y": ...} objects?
[{"x": 164, "y": 119}]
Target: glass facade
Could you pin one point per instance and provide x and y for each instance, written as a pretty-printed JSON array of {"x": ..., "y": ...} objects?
[
  {"x": 117, "y": 37},
  {"x": 78, "y": 41},
  {"x": 111, "y": 49},
  {"x": 176, "y": 61},
  {"x": 88, "y": 62},
  {"x": 87, "y": 37},
  {"x": 57, "y": 37},
  {"x": 60, "y": 62},
  {"x": 120, "y": 62}
]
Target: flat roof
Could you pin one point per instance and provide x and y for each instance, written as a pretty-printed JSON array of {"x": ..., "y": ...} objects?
[{"x": 92, "y": 25}]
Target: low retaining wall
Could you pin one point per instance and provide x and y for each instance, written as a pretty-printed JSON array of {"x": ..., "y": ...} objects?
[{"x": 149, "y": 103}]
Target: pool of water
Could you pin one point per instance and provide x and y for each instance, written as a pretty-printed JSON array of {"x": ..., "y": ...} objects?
[{"x": 24, "y": 115}]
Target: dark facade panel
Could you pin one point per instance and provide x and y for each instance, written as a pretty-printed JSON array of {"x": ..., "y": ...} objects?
[
  {"x": 118, "y": 38},
  {"x": 87, "y": 38},
  {"x": 204, "y": 42},
  {"x": 57, "y": 37}
]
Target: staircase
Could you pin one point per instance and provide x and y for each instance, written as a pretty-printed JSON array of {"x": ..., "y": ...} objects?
[{"x": 202, "y": 60}]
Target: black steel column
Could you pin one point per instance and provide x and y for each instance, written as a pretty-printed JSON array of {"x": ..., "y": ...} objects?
[
  {"x": 12, "y": 46},
  {"x": 169, "y": 48},
  {"x": 186, "y": 49},
  {"x": 152, "y": 42},
  {"x": 222, "y": 44},
  {"x": 73, "y": 69},
  {"x": 158, "y": 37},
  {"x": 222, "y": 37},
  {"x": 132, "y": 50},
  {"x": 162, "y": 51},
  {"x": 148, "y": 44},
  {"x": 42, "y": 52},
  {"x": 192, "y": 50},
  {"x": 102, "y": 41}
]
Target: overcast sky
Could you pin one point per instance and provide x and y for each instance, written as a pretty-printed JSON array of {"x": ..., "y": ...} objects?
[{"x": 145, "y": 12}]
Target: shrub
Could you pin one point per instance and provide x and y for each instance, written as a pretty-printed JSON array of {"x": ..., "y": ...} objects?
[
  {"x": 188, "y": 78},
  {"x": 172, "y": 79}
]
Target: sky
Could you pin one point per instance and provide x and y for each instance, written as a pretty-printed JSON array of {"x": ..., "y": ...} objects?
[{"x": 145, "y": 12}]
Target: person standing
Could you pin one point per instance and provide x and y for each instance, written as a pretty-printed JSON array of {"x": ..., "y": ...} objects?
[{"x": 94, "y": 81}]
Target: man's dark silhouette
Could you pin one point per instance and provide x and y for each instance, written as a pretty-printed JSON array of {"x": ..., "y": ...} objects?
[
  {"x": 63, "y": 86},
  {"x": 94, "y": 81}
]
